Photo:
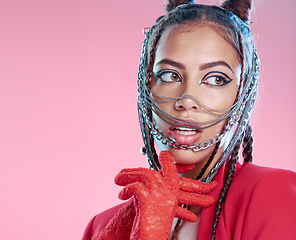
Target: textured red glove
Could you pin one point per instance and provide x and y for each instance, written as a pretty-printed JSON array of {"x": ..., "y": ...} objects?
[{"x": 157, "y": 199}]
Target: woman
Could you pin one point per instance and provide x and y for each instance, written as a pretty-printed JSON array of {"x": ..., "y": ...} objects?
[{"x": 197, "y": 85}]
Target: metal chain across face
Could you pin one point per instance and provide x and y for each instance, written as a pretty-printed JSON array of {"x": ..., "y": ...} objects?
[
  {"x": 234, "y": 113},
  {"x": 237, "y": 115}
]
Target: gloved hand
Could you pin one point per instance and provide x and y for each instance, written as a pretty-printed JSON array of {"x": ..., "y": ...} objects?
[{"x": 157, "y": 198}]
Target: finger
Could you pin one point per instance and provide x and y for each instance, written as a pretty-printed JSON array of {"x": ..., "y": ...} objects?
[
  {"x": 196, "y": 186},
  {"x": 136, "y": 189},
  {"x": 195, "y": 199},
  {"x": 185, "y": 214},
  {"x": 169, "y": 169},
  {"x": 151, "y": 178},
  {"x": 184, "y": 167}
]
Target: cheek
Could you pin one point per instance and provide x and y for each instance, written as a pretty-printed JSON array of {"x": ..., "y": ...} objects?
[
  {"x": 163, "y": 127},
  {"x": 231, "y": 96},
  {"x": 171, "y": 90},
  {"x": 160, "y": 124},
  {"x": 226, "y": 98},
  {"x": 218, "y": 127},
  {"x": 212, "y": 131},
  {"x": 219, "y": 100},
  {"x": 158, "y": 121},
  {"x": 152, "y": 84}
]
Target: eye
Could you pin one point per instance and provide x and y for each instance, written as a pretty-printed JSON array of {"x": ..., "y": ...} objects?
[
  {"x": 216, "y": 79},
  {"x": 168, "y": 76}
]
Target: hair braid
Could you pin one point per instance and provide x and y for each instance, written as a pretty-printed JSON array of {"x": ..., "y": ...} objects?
[
  {"x": 151, "y": 55},
  {"x": 154, "y": 155},
  {"x": 248, "y": 145},
  {"x": 205, "y": 167},
  {"x": 223, "y": 193},
  {"x": 148, "y": 148},
  {"x": 148, "y": 139},
  {"x": 176, "y": 229}
]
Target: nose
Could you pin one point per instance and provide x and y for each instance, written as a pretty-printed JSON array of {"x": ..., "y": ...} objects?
[{"x": 186, "y": 104}]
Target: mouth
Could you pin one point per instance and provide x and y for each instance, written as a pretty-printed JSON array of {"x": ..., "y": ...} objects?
[
  {"x": 185, "y": 130},
  {"x": 185, "y": 135}
]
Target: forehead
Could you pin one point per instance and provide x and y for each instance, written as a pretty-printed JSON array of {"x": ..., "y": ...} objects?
[{"x": 195, "y": 40}]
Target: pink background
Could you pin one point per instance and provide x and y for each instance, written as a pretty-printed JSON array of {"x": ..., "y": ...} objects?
[{"x": 68, "y": 105}]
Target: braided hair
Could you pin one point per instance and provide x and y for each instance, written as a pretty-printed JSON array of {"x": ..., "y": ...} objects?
[{"x": 230, "y": 21}]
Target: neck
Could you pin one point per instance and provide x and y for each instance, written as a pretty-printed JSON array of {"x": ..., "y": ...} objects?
[{"x": 199, "y": 166}]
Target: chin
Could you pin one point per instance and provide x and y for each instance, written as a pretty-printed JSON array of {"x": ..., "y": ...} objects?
[{"x": 187, "y": 156}]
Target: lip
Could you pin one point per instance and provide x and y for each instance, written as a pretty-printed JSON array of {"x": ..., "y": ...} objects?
[
  {"x": 188, "y": 119},
  {"x": 185, "y": 139}
]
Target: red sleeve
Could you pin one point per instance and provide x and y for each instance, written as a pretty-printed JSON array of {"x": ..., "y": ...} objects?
[
  {"x": 100, "y": 221},
  {"x": 271, "y": 213},
  {"x": 88, "y": 231}
]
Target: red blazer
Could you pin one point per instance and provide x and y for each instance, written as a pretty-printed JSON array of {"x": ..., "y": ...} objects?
[{"x": 260, "y": 204}]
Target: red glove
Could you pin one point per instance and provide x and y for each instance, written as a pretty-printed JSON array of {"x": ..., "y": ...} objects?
[{"x": 157, "y": 199}]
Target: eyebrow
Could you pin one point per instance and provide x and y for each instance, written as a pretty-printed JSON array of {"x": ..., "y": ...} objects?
[
  {"x": 202, "y": 67},
  {"x": 172, "y": 63},
  {"x": 214, "y": 64}
]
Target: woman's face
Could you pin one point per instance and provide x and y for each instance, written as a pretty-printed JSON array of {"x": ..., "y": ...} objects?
[{"x": 194, "y": 60}]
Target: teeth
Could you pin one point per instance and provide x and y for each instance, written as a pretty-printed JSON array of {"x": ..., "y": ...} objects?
[{"x": 185, "y": 131}]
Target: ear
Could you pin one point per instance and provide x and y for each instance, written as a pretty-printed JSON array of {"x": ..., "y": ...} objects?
[
  {"x": 241, "y": 8},
  {"x": 171, "y": 4}
]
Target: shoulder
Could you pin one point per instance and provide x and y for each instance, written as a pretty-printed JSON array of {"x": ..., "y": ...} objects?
[
  {"x": 98, "y": 222},
  {"x": 266, "y": 200},
  {"x": 264, "y": 181},
  {"x": 257, "y": 185}
]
